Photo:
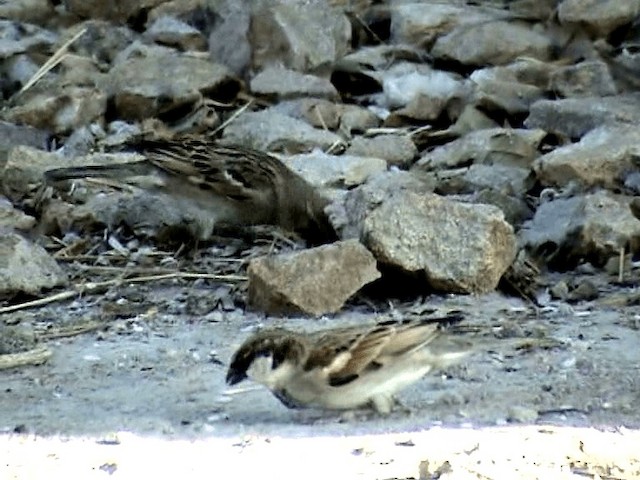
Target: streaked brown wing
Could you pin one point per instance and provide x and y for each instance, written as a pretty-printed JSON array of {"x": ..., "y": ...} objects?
[
  {"x": 346, "y": 353},
  {"x": 231, "y": 171}
]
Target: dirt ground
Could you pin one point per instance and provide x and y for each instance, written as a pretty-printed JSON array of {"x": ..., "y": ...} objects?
[{"x": 157, "y": 376}]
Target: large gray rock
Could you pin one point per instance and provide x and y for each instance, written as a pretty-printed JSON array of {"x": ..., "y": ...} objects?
[
  {"x": 12, "y": 218},
  {"x": 396, "y": 150},
  {"x": 591, "y": 227},
  {"x": 455, "y": 247},
  {"x": 505, "y": 146},
  {"x": 323, "y": 170},
  {"x": 275, "y": 132},
  {"x": 452, "y": 246},
  {"x": 601, "y": 158},
  {"x": 573, "y": 117},
  {"x": 420, "y": 23},
  {"x": 313, "y": 282},
  {"x": 63, "y": 111},
  {"x": 303, "y": 35},
  {"x": 141, "y": 87},
  {"x": 603, "y": 16},
  {"x": 119, "y": 10},
  {"x": 492, "y": 43},
  {"x": 26, "y": 267},
  {"x": 281, "y": 83}
]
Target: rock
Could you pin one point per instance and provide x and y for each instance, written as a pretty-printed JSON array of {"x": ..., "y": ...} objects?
[
  {"x": 585, "y": 290},
  {"x": 18, "y": 38},
  {"x": 396, "y": 150},
  {"x": 26, "y": 267},
  {"x": 324, "y": 170},
  {"x": 13, "y": 219},
  {"x": 61, "y": 112},
  {"x": 104, "y": 41},
  {"x": 119, "y": 11},
  {"x": 504, "y": 146},
  {"x": 601, "y": 158},
  {"x": 419, "y": 23},
  {"x": 229, "y": 42},
  {"x": 592, "y": 227},
  {"x": 419, "y": 92},
  {"x": 357, "y": 119},
  {"x": 573, "y": 117},
  {"x": 504, "y": 179},
  {"x": 272, "y": 131},
  {"x": 12, "y": 135},
  {"x": 454, "y": 247},
  {"x": 492, "y": 43},
  {"x": 315, "y": 282},
  {"x": 317, "y": 112},
  {"x": 586, "y": 79},
  {"x": 329, "y": 115},
  {"x": 28, "y": 11},
  {"x": 348, "y": 216},
  {"x": 500, "y": 89},
  {"x": 172, "y": 32},
  {"x": 24, "y": 169},
  {"x": 306, "y": 36},
  {"x": 602, "y": 16},
  {"x": 515, "y": 208},
  {"x": 277, "y": 82},
  {"x": 141, "y": 88}
]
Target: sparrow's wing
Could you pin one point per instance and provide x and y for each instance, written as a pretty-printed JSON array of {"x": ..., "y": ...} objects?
[
  {"x": 346, "y": 354},
  {"x": 230, "y": 171}
]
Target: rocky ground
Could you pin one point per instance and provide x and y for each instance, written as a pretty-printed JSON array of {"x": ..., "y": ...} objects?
[{"x": 474, "y": 157}]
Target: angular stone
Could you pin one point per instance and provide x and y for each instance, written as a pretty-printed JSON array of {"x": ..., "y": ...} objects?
[
  {"x": 492, "y": 43},
  {"x": 491, "y": 146},
  {"x": 455, "y": 247},
  {"x": 12, "y": 218},
  {"x": 313, "y": 282},
  {"x": 73, "y": 107},
  {"x": 324, "y": 170},
  {"x": 303, "y": 35},
  {"x": 601, "y": 158},
  {"x": 586, "y": 79},
  {"x": 420, "y": 23},
  {"x": 281, "y": 83},
  {"x": 272, "y": 131},
  {"x": 120, "y": 10},
  {"x": 573, "y": 117},
  {"x": 396, "y": 150},
  {"x": 26, "y": 267},
  {"x": 591, "y": 227},
  {"x": 603, "y": 16},
  {"x": 142, "y": 88}
]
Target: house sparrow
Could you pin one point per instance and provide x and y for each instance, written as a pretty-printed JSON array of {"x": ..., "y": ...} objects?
[
  {"x": 225, "y": 184},
  {"x": 343, "y": 368}
]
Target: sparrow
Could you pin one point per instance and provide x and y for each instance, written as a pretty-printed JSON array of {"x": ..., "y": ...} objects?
[
  {"x": 226, "y": 184},
  {"x": 343, "y": 368}
]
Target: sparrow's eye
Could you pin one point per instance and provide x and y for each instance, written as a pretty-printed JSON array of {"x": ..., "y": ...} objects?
[
  {"x": 278, "y": 358},
  {"x": 262, "y": 353}
]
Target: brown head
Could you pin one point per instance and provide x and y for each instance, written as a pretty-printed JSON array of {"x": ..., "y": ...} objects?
[{"x": 276, "y": 347}]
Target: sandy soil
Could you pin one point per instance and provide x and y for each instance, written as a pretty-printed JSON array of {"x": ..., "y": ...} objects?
[{"x": 158, "y": 374}]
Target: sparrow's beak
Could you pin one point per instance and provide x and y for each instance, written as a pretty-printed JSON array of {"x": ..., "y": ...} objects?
[{"x": 234, "y": 376}]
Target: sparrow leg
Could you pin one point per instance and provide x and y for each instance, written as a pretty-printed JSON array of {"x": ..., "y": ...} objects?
[{"x": 382, "y": 403}]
